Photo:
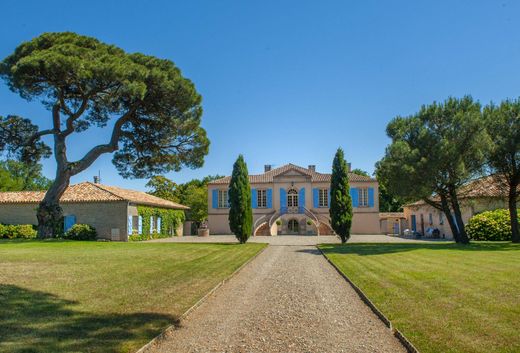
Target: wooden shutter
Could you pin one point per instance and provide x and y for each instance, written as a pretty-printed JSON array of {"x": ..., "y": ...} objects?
[
  {"x": 355, "y": 197},
  {"x": 254, "y": 198},
  {"x": 214, "y": 198},
  {"x": 269, "y": 198},
  {"x": 370, "y": 197}
]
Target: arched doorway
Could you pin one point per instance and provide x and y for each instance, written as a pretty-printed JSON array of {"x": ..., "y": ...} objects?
[
  {"x": 293, "y": 226},
  {"x": 292, "y": 200}
]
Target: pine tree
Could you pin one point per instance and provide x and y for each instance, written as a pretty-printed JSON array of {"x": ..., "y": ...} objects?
[
  {"x": 240, "y": 209},
  {"x": 341, "y": 202}
]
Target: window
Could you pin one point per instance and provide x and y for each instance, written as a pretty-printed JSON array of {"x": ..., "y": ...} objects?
[
  {"x": 223, "y": 201},
  {"x": 135, "y": 224},
  {"x": 323, "y": 198},
  {"x": 363, "y": 197},
  {"x": 430, "y": 218},
  {"x": 261, "y": 195},
  {"x": 441, "y": 218},
  {"x": 292, "y": 198}
]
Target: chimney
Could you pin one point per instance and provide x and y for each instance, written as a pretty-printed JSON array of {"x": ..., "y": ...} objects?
[
  {"x": 267, "y": 168},
  {"x": 312, "y": 167},
  {"x": 96, "y": 179},
  {"x": 349, "y": 167}
]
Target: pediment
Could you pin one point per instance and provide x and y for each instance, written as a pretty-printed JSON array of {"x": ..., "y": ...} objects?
[{"x": 293, "y": 172}]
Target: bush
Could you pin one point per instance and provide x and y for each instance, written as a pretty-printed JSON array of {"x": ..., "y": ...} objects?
[
  {"x": 20, "y": 231},
  {"x": 81, "y": 232},
  {"x": 490, "y": 225}
]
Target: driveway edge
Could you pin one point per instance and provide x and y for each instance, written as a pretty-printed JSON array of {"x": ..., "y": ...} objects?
[
  {"x": 398, "y": 334},
  {"x": 160, "y": 336}
]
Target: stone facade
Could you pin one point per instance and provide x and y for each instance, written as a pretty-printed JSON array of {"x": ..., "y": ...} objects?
[{"x": 308, "y": 216}]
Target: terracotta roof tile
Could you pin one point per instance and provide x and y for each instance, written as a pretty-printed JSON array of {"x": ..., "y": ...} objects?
[
  {"x": 90, "y": 192},
  {"x": 267, "y": 177}
]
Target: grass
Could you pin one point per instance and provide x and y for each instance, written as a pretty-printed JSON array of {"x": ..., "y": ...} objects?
[
  {"x": 443, "y": 297},
  {"x": 103, "y": 297}
]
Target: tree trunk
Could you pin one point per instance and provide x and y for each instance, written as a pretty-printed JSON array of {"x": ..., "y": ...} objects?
[
  {"x": 513, "y": 213},
  {"x": 50, "y": 214},
  {"x": 447, "y": 212},
  {"x": 463, "y": 237}
]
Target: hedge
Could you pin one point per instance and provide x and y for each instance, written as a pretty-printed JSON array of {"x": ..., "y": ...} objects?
[
  {"x": 19, "y": 231},
  {"x": 170, "y": 221},
  {"x": 81, "y": 232},
  {"x": 490, "y": 225}
]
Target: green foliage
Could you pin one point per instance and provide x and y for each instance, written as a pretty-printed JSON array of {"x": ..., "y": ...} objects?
[
  {"x": 19, "y": 176},
  {"x": 435, "y": 152},
  {"x": 192, "y": 194},
  {"x": 153, "y": 112},
  {"x": 170, "y": 221},
  {"x": 490, "y": 225},
  {"x": 503, "y": 158},
  {"x": 341, "y": 201},
  {"x": 21, "y": 231},
  {"x": 360, "y": 172},
  {"x": 278, "y": 222},
  {"x": 240, "y": 209},
  {"x": 81, "y": 232}
]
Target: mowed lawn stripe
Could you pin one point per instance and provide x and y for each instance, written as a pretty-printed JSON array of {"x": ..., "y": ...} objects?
[
  {"x": 103, "y": 297},
  {"x": 443, "y": 297}
]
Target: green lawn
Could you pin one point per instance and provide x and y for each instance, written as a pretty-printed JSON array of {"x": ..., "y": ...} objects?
[
  {"x": 443, "y": 297},
  {"x": 103, "y": 297}
]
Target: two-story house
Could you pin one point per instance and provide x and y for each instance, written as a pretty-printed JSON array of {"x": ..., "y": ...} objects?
[{"x": 295, "y": 200}]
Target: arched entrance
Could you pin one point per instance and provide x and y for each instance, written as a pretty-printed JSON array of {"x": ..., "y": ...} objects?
[{"x": 293, "y": 226}]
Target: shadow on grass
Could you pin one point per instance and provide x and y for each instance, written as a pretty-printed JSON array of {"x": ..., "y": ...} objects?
[
  {"x": 32, "y": 321},
  {"x": 364, "y": 249}
]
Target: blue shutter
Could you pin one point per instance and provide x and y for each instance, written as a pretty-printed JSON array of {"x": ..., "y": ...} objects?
[
  {"x": 140, "y": 225},
  {"x": 269, "y": 198},
  {"x": 301, "y": 196},
  {"x": 68, "y": 222},
  {"x": 214, "y": 198},
  {"x": 328, "y": 198},
  {"x": 130, "y": 224},
  {"x": 283, "y": 198},
  {"x": 151, "y": 224},
  {"x": 159, "y": 225},
  {"x": 227, "y": 205},
  {"x": 254, "y": 198},
  {"x": 355, "y": 197},
  {"x": 315, "y": 198},
  {"x": 370, "y": 197}
]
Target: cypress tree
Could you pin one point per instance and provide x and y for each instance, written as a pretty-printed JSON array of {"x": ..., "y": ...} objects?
[
  {"x": 341, "y": 202},
  {"x": 240, "y": 210}
]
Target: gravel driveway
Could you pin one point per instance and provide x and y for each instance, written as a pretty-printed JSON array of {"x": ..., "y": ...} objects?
[{"x": 289, "y": 299}]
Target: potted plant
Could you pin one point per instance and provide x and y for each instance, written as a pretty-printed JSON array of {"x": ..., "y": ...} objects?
[
  {"x": 203, "y": 230},
  {"x": 279, "y": 226},
  {"x": 309, "y": 230}
]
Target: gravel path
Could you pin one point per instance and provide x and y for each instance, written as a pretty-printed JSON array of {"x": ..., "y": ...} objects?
[{"x": 289, "y": 299}]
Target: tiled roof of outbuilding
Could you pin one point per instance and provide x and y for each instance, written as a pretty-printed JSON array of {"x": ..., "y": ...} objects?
[
  {"x": 491, "y": 186},
  {"x": 90, "y": 192},
  {"x": 267, "y": 177}
]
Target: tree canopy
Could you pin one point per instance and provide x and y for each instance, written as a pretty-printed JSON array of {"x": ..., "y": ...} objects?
[
  {"x": 240, "y": 207},
  {"x": 19, "y": 176},
  {"x": 503, "y": 125},
  {"x": 341, "y": 202},
  {"x": 152, "y": 111},
  {"x": 433, "y": 153}
]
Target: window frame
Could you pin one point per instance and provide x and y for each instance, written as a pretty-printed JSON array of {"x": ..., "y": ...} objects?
[
  {"x": 323, "y": 195},
  {"x": 223, "y": 198},
  {"x": 261, "y": 198},
  {"x": 363, "y": 197}
]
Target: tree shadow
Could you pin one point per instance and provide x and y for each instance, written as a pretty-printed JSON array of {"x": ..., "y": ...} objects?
[
  {"x": 32, "y": 321},
  {"x": 367, "y": 249}
]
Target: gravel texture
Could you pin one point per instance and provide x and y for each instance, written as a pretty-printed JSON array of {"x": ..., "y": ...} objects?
[{"x": 288, "y": 299}]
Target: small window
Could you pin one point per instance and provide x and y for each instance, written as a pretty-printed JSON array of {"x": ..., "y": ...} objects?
[
  {"x": 135, "y": 224},
  {"x": 430, "y": 218},
  {"x": 223, "y": 201},
  {"x": 261, "y": 195},
  {"x": 323, "y": 198},
  {"x": 441, "y": 218},
  {"x": 363, "y": 197}
]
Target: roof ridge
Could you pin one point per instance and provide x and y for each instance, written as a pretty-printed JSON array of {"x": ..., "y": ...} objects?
[{"x": 100, "y": 186}]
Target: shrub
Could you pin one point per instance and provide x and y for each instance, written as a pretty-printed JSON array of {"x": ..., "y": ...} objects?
[
  {"x": 81, "y": 232},
  {"x": 309, "y": 222},
  {"x": 20, "y": 231},
  {"x": 278, "y": 223},
  {"x": 490, "y": 225}
]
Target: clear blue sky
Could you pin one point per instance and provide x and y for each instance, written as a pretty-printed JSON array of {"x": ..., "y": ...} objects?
[{"x": 290, "y": 81}]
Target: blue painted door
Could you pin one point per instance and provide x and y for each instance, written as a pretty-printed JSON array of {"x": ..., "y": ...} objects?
[{"x": 68, "y": 222}]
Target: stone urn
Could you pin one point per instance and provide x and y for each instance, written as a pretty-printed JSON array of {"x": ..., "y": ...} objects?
[{"x": 203, "y": 232}]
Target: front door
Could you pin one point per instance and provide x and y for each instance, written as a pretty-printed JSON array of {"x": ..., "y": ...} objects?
[{"x": 293, "y": 226}]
